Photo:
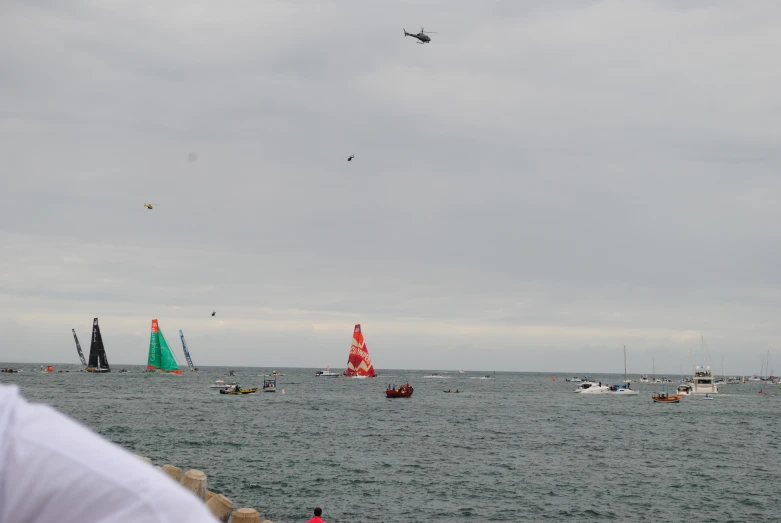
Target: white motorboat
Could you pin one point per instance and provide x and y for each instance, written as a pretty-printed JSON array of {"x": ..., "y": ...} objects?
[
  {"x": 621, "y": 390},
  {"x": 644, "y": 379},
  {"x": 326, "y": 373},
  {"x": 575, "y": 380},
  {"x": 219, "y": 384},
  {"x": 685, "y": 390},
  {"x": 592, "y": 387},
  {"x": 703, "y": 381}
]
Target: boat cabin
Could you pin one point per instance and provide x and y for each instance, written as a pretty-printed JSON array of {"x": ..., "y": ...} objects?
[{"x": 269, "y": 384}]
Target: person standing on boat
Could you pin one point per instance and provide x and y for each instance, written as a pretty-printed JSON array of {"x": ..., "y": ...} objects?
[
  {"x": 317, "y": 518},
  {"x": 45, "y": 478}
]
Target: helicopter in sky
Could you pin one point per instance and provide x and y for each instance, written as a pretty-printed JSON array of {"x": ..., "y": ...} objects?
[
  {"x": 422, "y": 36},
  {"x": 149, "y": 205}
]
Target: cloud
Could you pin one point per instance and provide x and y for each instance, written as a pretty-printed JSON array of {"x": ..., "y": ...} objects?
[{"x": 539, "y": 186}]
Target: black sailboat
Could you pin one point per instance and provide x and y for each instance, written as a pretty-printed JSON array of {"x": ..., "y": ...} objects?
[
  {"x": 78, "y": 348},
  {"x": 97, "y": 354}
]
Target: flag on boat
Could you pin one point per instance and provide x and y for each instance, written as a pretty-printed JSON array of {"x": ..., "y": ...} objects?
[{"x": 359, "y": 362}]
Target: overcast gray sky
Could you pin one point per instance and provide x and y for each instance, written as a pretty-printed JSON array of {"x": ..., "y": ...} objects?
[{"x": 541, "y": 184}]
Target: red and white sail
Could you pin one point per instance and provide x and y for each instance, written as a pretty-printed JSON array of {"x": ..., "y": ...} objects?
[{"x": 359, "y": 363}]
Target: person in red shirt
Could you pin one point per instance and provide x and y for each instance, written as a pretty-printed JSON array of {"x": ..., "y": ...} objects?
[{"x": 317, "y": 519}]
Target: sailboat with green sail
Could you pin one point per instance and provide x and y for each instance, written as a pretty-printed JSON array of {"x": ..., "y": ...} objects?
[{"x": 161, "y": 359}]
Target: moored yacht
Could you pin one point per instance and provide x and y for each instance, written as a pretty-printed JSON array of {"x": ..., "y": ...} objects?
[
  {"x": 703, "y": 381},
  {"x": 621, "y": 390}
]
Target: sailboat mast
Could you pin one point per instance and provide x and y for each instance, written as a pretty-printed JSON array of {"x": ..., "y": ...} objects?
[{"x": 624, "y": 363}]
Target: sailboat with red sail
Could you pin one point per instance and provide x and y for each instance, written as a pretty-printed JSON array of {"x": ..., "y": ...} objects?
[{"x": 359, "y": 363}]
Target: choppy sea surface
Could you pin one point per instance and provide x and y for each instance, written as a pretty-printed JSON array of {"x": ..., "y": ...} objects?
[{"x": 517, "y": 447}]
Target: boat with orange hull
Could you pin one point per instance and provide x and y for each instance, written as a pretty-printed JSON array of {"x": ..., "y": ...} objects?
[
  {"x": 405, "y": 391},
  {"x": 161, "y": 360},
  {"x": 359, "y": 363},
  {"x": 663, "y": 397}
]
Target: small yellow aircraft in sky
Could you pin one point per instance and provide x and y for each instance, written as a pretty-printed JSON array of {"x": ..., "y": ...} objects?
[{"x": 149, "y": 205}]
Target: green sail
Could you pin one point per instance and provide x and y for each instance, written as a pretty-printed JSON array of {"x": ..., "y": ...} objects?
[
  {"x": 153, "y": 362},
  {"x": 167, "y": 361}
]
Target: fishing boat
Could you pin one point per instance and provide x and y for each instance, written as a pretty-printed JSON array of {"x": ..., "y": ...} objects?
[
  {"x": 270, "y": 385},
  {"x": 326, "y": 373},
  {"x": 663, "y": 397},
  {"x": 78, "y": 349},
  {"x": 448, "y": 391},
  {"x": 359, "y": 363},
  {"x": 161, "y": 360},
  {"x": 9, "y": 370},
  {"x": 275, "y": 373},
  {"x": 237, "y": 390},
  {"x": 193, "y": 368},
  {"x": 405, "y": 391},
  {"x": 97, "y": 353}
]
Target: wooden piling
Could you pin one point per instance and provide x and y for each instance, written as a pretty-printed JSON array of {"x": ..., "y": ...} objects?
[
  {"x": 221, "y": 507},
  {"x": 195, "y": 481},
  {"x": 174, "y": 472},
  {"x": 246, "y": 515}
]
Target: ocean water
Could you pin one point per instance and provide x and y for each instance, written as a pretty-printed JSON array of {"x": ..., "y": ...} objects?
[{"x": 519, "y": 447}]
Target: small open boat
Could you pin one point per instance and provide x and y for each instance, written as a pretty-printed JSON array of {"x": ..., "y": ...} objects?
[
  {"x": 240, "y": 391},
  {"x": 269, "y": 385},
  {"x": 405, "y": 391},
  {"x": 448, "y": 391},
  {"x": 663, "y": 397}
]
